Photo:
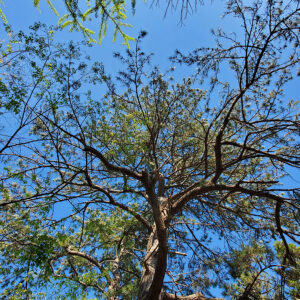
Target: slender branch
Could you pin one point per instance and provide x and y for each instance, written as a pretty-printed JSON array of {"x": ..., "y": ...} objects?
[{"x": 112, "y": 167}]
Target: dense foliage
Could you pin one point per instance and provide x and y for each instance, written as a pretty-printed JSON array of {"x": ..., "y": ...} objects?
[{"x": 140, "y": 186}]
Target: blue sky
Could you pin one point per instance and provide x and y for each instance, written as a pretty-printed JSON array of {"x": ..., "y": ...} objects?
[{"x": 164, "y": 34}]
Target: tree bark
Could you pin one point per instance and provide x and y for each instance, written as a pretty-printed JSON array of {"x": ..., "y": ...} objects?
[
  {"x": 155, "y": 262},
  {"x": 154, "y": 268},
  {"x": 198, "y": 296}
]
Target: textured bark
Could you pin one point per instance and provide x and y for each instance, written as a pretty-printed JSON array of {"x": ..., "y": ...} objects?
[
  {"x": 114, "y": 283},
  {"x": 155, "y": 262},
  {"x": 154, "y": 269},
  {"x": 150, "y": 263},
  {"x": 198, "y": 296}
]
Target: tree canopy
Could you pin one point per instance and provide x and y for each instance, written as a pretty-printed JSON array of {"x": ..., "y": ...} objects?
[{"x": 155, "y": 188}]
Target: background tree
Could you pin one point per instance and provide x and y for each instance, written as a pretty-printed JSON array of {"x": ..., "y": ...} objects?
[
  {"x": 168, "y": 190},
  {"x": 16, "y": 94}
]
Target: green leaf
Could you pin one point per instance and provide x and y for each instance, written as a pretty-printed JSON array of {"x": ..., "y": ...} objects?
[{"x": 52, "y": 7}]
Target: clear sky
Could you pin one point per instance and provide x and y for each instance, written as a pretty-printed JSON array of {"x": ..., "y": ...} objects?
[{"x": 164, "y": 34}]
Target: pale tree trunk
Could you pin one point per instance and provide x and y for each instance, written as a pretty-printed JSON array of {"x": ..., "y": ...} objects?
[
  {"x": 114, "y": 283},
  {"x": 155, "y": 261},
  {"x": 149, "y": 265},
  {"x": 154, "y": 269}
]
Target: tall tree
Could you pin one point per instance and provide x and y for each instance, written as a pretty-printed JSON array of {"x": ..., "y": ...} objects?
[{"x": 159, "y": 189}]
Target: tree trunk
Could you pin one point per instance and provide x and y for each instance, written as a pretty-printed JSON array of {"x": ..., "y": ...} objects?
[
  {"x": 198, "y": 296},
  {"x": 155, "y": 261},
  {"x": 154, "y": 268}
]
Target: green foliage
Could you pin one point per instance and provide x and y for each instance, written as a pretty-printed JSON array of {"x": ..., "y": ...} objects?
[
  {"x": 290, "y": 272},
  {"x": 256, "y": 267},
  {"x": 2, "y": 15},
  {"x": 111, "y": 11}
]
